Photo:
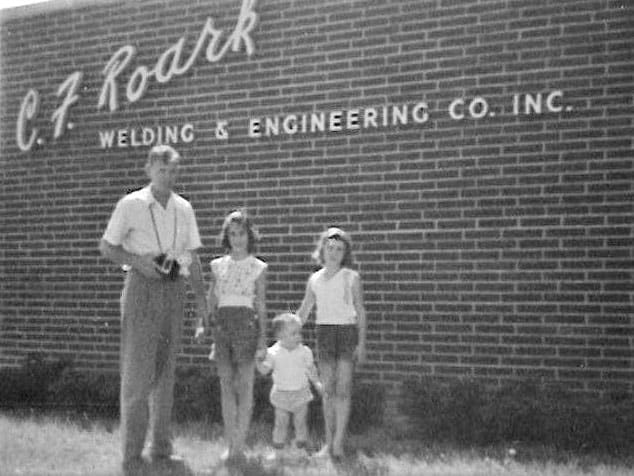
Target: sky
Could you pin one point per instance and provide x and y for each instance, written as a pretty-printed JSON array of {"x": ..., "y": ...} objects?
[{"x": 17, "y": 3}]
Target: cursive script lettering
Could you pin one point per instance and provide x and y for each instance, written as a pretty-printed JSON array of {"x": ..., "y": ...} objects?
[
  {"x": 169, "y": 63},
  {"x": 28, "y": 110},
  {"x": 71, "y": 85}
]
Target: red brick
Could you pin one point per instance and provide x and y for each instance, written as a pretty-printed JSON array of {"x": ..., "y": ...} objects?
[{"x": 473, "y": 236}]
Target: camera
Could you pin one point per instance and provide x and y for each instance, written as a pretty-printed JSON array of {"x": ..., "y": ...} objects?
[{"x": 168, "y": 267}]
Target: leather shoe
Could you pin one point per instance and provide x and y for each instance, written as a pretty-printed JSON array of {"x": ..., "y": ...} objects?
[{"x": 168, "y": 458}]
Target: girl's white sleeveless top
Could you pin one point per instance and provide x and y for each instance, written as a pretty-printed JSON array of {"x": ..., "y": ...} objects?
[{"x": 334, "y": 297}]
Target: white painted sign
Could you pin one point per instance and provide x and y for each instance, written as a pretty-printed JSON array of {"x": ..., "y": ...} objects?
[
  {"x": 168, "y": 65},
  {"x": 213, "y": 45}
]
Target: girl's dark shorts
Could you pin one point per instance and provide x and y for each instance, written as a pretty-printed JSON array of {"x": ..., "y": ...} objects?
[
  {"x": 236, "y": 335},
  {"x": 336, "y": 342}
]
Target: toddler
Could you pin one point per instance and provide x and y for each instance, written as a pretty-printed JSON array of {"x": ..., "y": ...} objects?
[{"x": 293, "y": 370}]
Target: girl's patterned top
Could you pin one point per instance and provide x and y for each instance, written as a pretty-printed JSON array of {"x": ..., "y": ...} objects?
[{"x": 235, "y": 280}]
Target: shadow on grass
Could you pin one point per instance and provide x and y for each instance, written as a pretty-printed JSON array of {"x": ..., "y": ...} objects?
[
  {"x": 250, "y": 466},
  {"x": 159, "y": 468}
]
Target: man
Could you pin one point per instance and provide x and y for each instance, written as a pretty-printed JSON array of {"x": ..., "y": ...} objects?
[{"x": 153, "y": 234}]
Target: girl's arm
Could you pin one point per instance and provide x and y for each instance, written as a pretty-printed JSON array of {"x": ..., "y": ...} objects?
[
  {"x": 313, "y": 377},
  {"x": 212, "y": 299},
  {"x": 264, "y": 365},
  {"x": 260, "y": 308},
  {"x": 311, "y": 370},
  {"x": 357, "y": 299},
  {"x": 307, "y": 303}
]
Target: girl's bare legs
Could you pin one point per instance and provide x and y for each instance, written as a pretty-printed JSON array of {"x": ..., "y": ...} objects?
[
  {"x": 244, "y": 394},
  {"x": 327, "y": 370},
  {"x": 342, "y": 401},
  {"x": 229, "y": 404}
]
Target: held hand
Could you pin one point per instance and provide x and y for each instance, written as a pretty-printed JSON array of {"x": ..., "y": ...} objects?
[
  {"x": 260, "y": 354},
  {"x": 261, "y": 346},
  {"x": 319, "y": 387}
]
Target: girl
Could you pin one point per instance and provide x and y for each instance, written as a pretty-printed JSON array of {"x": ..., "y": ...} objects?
[
  {"x": 236, "y": 300},
  {"x": 293, "y": 368},
  {"x": 341, "y": 330}
]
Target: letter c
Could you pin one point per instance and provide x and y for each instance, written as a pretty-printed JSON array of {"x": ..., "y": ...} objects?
[
  {"x": 550, "y": 101},
  {"x": 28, "y": 110},
  {"x": 452, "y": 109}
]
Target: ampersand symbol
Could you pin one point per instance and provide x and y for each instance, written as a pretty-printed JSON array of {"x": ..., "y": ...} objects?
[{"x": 221, "y": 130}]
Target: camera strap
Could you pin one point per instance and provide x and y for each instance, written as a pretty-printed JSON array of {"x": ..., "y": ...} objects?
[{"x": 156, "y": 233}]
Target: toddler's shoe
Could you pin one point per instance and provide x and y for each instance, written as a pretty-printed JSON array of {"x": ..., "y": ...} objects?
[
  {"x": 276, "y": 453},
  {"x": 272, "y": 456},
  {"x": 324, "y": 452}
]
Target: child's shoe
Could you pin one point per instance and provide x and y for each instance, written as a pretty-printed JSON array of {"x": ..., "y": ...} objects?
[
  {"x": 272, "y": 456},
  {"x": 275, "y": 454},
  {"x": 324, "y": 452}
]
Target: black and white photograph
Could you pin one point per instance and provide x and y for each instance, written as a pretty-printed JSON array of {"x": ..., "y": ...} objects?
[{"x": 317, "y": 237}]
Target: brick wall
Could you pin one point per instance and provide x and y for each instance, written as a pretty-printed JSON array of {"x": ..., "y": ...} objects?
[{"x": 493, "y": 232}]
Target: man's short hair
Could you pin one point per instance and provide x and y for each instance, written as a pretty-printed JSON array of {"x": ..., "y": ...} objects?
[{"x": 163, "y": 153}]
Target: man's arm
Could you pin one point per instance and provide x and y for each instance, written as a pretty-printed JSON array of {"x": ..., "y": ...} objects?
[
  {"x": 307, "y": 304},
  {"x": 198, "y": 285},
  {"x": 143, "y": 263}
]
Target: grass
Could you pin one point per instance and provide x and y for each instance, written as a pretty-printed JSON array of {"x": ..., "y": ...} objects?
[{"x": 66, "y": 446}]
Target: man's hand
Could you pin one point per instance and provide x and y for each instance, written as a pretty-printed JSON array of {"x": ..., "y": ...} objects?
[{"x": 146, "y": 265}]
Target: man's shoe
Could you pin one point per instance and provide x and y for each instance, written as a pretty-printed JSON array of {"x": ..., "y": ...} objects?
[
  {"x": 132, "y": 466},
  {"x": 172, "y": 458}
]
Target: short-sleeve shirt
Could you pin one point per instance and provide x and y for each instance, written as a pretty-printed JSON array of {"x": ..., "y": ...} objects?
[
  {"x": 142, "y": 226},
  {"x": 333, "y": 297},
  {"x": 235, "y": 280},
  {"x": 290, "y": 367}
]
